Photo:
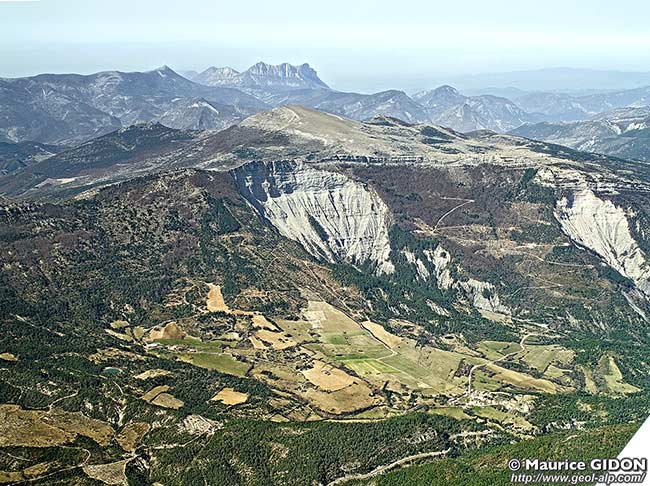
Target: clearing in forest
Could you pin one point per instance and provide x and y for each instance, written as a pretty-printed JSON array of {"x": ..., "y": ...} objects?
[
  {"x": 229, "y": 396},
  {"x": 215, "y": 302}
]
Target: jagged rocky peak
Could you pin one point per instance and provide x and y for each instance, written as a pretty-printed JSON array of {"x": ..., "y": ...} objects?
[
  {"x": 226, "y": 71},
  {"x": 285, "y": 74},
  {"x": 264, "y": 76}
]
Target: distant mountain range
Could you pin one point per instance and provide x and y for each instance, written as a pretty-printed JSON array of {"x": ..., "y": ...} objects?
[
  {"x": 564, "y": 107},
  {"x": 446, "y": 106},
  {"x": 300, "y": 85},
  {"x": 556, "y": 79},
  {"x": 71, "y": 108},
  {"x": 68, "y": 109},
  {"x": 623, "y": 133}
]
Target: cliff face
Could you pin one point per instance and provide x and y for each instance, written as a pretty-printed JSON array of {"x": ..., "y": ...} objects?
[
  {"x": 482, "y": 295},
  {"x": 601, "y": 226},
  {"x": 333, "y": 217}
]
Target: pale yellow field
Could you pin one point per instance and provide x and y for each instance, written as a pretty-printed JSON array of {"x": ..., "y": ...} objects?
[
  {"x": 215, "y": 302},
  {"x": 277, "y": 340},
  {"x": 613, "y": 376},
  {"x": 154, "y": 392},
  {"x": 300, "y": 331},
  {"x": 155, "y": 373},
  {"x": 257, "y": 344},
  {"x": 503, "y": 417},
  {"x": 346, "y": 400},
  {"x": 170, "y": 331},
  {"x": 382, "y": 334},
  {"x": 131, "y": 435},
  {"x": 119, "y": 324},
  {"x": 119, "y": 335},
  {"x": 453, "y": 412},
  {"x": 540, "y": 357},
  {"x": 322, "y": 315},
  {"x": 326, "y": 377},
  {"x": 520, "y": 380},
  {"x": 36, "y": 428},
  {"x": 228, "y": 396},
  {"x": 166, "y": 400},
  {"x": 262, "y": 322},
  {"x": 590, "y": 384},
  {"x": 113, "y": 473}
]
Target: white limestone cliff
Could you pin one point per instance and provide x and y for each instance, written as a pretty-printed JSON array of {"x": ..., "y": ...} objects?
[
  {"x": 333, "y": 217},
  {"x": 482, "y": 295},
  {"x": 602, "y": 227},
  {"x": 423, "y": 272}
]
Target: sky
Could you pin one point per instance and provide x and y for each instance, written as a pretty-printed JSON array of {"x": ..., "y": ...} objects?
[{"x": 353, "y": 44}]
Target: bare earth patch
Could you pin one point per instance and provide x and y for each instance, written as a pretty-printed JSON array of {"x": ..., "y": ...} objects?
[
  {"x": 149, "y": 374},
  {"x": 154, "y": 392},
  {"x": 10, "y": 477},
  {"x": 262, "y": 322},
  {"x": 112, "y": 473},
  {"x": 257, "y": 344},
  {"x": 199, "y": 425},
  {"x": 170, "y": 331},
  {"x": 166, "y": 400},
  {"x": 131, "y": 435},
  {"x": 119, "y": 335}
]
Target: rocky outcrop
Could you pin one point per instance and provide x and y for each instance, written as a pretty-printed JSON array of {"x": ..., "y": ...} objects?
[
  {"x": 333, "y": 217},
  {"x": 264, "y": 76},
  {"x": 423, "y": 271},
  {"x": 482, "y": 295},
  {"x": 602, "y": 227}
]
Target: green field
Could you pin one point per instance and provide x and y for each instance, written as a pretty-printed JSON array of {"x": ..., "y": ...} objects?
[
  {"x": 369, "y": 366},
  {"x": 453, "y": 412},
  {"x": 224, "y": 363},
  {"x": 541, "y": 357},
  {"x": 502, "y": 417},
  {"x": 497, "y": 349}
]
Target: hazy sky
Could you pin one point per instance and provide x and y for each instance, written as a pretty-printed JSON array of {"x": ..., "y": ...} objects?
[{"x": 354, "y": 44}]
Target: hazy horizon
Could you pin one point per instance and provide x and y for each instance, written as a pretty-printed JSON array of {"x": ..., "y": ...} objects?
[{"x": 361, "y": 46}]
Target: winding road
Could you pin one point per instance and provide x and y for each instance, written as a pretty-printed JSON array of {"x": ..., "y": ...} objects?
[
  {"x": 502, "y": 358},
  {"x": 388, "y": 467}
]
